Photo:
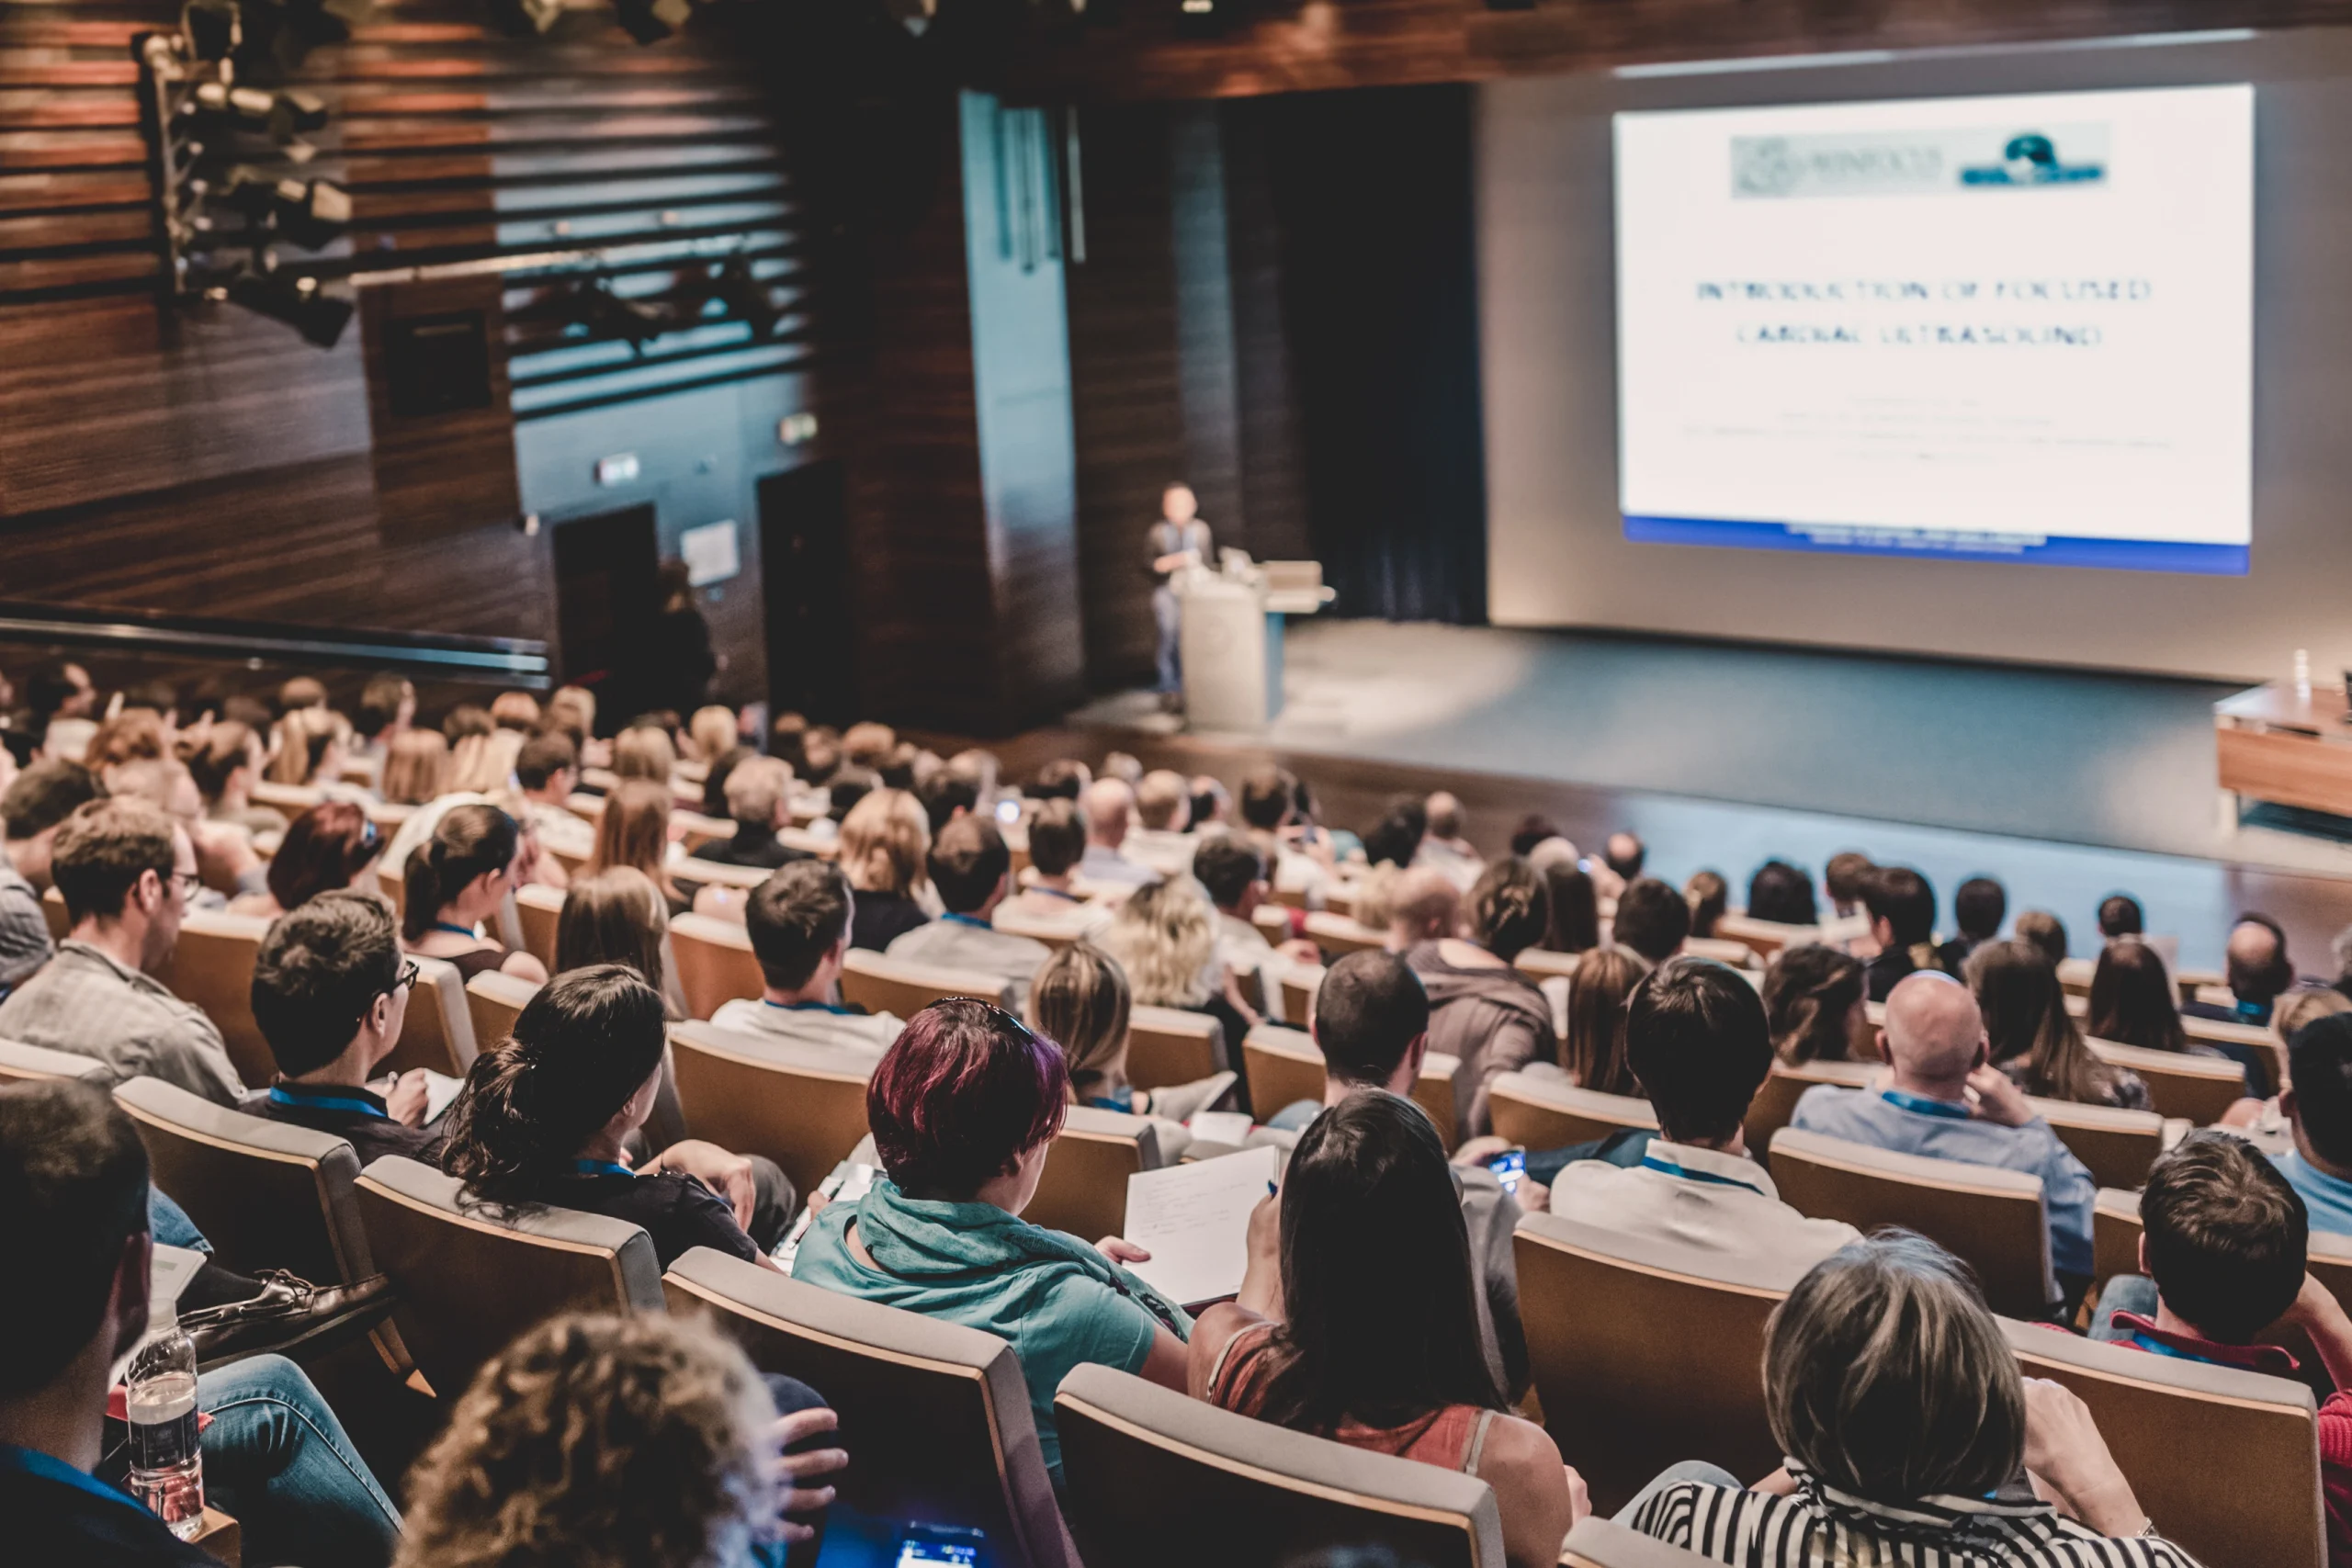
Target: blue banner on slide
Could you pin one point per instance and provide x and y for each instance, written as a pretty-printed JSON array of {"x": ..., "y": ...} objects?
[{"x": 2122, "y": 555}]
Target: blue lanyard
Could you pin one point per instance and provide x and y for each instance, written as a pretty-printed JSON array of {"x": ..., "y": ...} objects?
[
  {"x": 2161, "y": 1348},
  {"x": 49, "y": 1467},
  {"x": 281, "y": 1095},
  {"x": 457, "y": 930},
  {"x": 1063, "y": 894},
  {"x": 953, "y": 919},
  {"x": 1660, "y": 1163},
  {"x": 600, "y": 1167},
  {"x": 1924, "y": 1106},
  {"x": 805, "y": 1006}
]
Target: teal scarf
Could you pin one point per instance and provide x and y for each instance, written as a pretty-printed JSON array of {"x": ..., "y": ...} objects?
[{"x": 945, "y": 1243}]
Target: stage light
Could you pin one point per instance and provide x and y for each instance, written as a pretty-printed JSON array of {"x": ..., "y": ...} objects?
[
  {"x": 650, "y": 21},
  {"x": 313, "y": 214},
  {"x": 298, "y": 301}
]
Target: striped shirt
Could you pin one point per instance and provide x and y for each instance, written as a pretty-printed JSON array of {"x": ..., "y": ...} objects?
[{"x": 1819, "y": 1527}]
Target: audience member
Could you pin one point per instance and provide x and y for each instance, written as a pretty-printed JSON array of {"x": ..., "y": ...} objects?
[
  {"x": 972, "y": 870},
  {"x": 2118, "y": 915},
  {"x": 32, "y": 809},
  {"x": 849, "y": 787},
  {"x": 1978, "y": 906},
  {"x": 1707, "y": 895},
  {"x": 1164, "y": 936},
  {"x": 1109, "y": 804},
  {"x": 617, "y": 916},
  {"x": 1303, "y": 855},
  {"x": 1056, "y": 842},
  {"x": 1908, "y": 1431},
  {"x": 1397, "y": 839},
  {"x": 710, "y": 733},
  {"x": 547, "y": 775},
  {"x": 330, "y": 991},
  {"x": 868, "y": 745},
  {"x": 1814, "y": 1005},
  {"x": 1233, "y": 874},
  {"x": 484, "y": 764},
  {"x": 1443, "y": 847},
  {"x": 308, "y": 747},
  {"x": 125, "y": 872},
  {"x": 1534, "y": 828},
  {"x": 1846, "y": 878},
  {"x": 1781, "y": 893},
  {"x": 225, "y": 768},
  {"x": 2046, "y": 931},
  {"x": 1573, "y": 907},
  {"x": 387, "y": 707},
  {"x": 2031, "y": 1036},
  {"x": 644, "y": 751},
  {"x": 2300, "y": 1007},
  {"x": 1903, "y": 925},
  {"x": 2254, "y": 962},
  {"x": 1370, "y": 1212},
  {"x": 416, "y": 768},
  {"x": 1947, "y": 1101},
  {"x": 716, "y": 774},
  {"x": 1593, "y": 1051},
  {"x": 1423, "y": 905},
  {"x": 885, "y": 850},
  {"x": 1652, "y": 920},
  {"x": 2132, "y": 1002},
  {"x": 1063, "y": 778},
  {"x": 964, "y": 1109},
  {"x": 634, "y": 830},
  {"x": 1161, "y": 836},
  {"x": 332, "y": 845},
  {"x": 134, "y": 735},
  {"x": 800, "y": 921},
  {"x": 1212, "y": 803},
  {"x": 458, "y": 879},
  {"x": 1080, "y": 1002},
  {"x": 1483, "y": 1012},
  {"x": 1624, "y": 853},
  {"x": 2317, "y": 1104},
  {"x": 545, "y": 1117},
  {"x": 950, "y": 791},
  {"x": 1699, "y": 1047}
]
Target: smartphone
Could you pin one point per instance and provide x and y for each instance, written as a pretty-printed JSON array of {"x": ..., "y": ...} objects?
[
  {"x": 1509, "y": 1167},
  {"x": 940, "y": 1543},
  {"x": 1008, "y": 811}
]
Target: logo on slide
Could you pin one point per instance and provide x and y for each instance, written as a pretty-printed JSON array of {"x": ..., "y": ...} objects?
[{"x": 2029, "y": 158}]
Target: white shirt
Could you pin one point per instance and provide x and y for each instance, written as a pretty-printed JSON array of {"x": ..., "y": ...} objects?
[
  {"x": 812, "y": 1023},
  {"x": 1702, "y": 1198},
  {"x": 960, "y": 942},
  {"x": 1102, "y": 864},
  {"x": 1171, "y": 855},
  {"x": 1454, "y": 858}
]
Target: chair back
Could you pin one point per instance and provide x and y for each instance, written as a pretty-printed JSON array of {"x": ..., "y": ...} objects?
[
  {"x": 2115, "y": 1236},
  {"x": 1776, "y": 1102},
  {"x": 1766, "y": 939},
  {"x": 2116, "y": 1147},
  {"x": 1541, "y": 963},
  {"x": 2227, "y": 1460},
  {"x": 1155, "y": 1480},
  {"x": 1723, "y": 950},
  {"x": 494, "y": 999},
  {"x": 1648, "y": 1350},
  {"x": 1283, "y": 1066},
  {"x": 1056, "y": 934},
  {"x": 1990, "y": 1218},
  {"x": 1299, "y": 984},
  {"x": 1170, "y": 1046},
  {"x": 394, "y": 887},
  {"x": 2262, "y": 1038},
  {"x": 1597, "y": 1542},
  {"x": 715, "y": 962},
  {"x": 266, "y": 1195},
  {"x": 1083, "y": 1188},
  {"x": 697, "y": 830},
  {"x": 881, "y": 984},
  {"x": 801, "y": 1106},
  {"x": 439, "y": 1032},
  {"x": 1546, "y": 1112},
  {"x": 52, "y": 909},
  {"x": 212, "y": 968},
  {"x": 1338, "y": 935},
  {"x": 19, "y": 1062},
  {"x": 471, "y": 1280},
  {"x": 2201, "y": 1088},
  {"x": 1434, "y": 1092},
  {"x": 937, "y": 1415},
  {"x": 540, "y": 910}
]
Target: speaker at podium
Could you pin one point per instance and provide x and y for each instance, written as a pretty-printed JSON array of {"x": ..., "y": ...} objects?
[{"x": 1231, "y": 636}]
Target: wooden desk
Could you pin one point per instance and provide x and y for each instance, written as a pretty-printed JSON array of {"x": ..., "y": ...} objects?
[{"x": 2275, "y": 744}]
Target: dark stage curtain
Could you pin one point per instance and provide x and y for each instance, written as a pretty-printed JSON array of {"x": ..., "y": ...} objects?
[{"x": 1373, "y": 198}]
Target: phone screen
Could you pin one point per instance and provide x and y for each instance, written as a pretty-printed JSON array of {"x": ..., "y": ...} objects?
[
  {"x": 1008, "y": 812},
  {"x": 1509, "y": 1167},
  {"x": 923, "y": 1544}
]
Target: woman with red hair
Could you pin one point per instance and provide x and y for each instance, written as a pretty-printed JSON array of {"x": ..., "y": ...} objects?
[
  {"x": 963, "y": 1108},
  {"x": 330, "y": 846}
]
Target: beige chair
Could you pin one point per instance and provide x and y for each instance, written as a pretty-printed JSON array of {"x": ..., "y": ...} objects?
[
  {"x": 696, "y": 829},
  {"x": 801, "y": 1106},
  {"x": 2116, "y": 1146},
  {"x": 715, "y": 962},
  {"x": 1170, "y": 1046},
  {"x": 393, "y": 888},
  {"x": 1285, "y": 1066},
  {"x": 1435, "y": 1091},
  {"x": 1083, "y": 1188},
  {"x": 212, "y": 967},
  {"x": 2075, "y": 976},
  {"x": 1648, "y": 1350},
  {"x": 471, "y": 1279},
  {"x": 2199, "y": 1088},
  {"x": 20, "y": 1062},
  {"x": 2115, "y": 1236},
  {"x": 266, "y": 1195},
  {"x": 1299, "y": 984},
  {"x": 2227, "y": 1462},
  {"x": 439, "y": 1032},
  {"x": 1992, "y": 1219},
  {"x": 2261, "y": 1037},
  {"x": 52, "y": 909},
  {"x": 1549, "y": 1114},
  {"x": 1155, "y": 1480},
  {"x": 1540, "y": 964},
  {"x": 1776, "y": 1101},
  {"x": 1056, "y": 934},
  {"x": 292, "y": 799},
  {"x": 1597, "y": 1542},
  {"x": 540, "y": 910},
  {"x": 494, "y": 999},
  {"x": 1766, "y": 939},
  {"x": 880, "y": 984},
  {"x": 1723, "y": 950},
  {"x": 1337, "y": 935},
  {"x": 936, "y": 1416}
]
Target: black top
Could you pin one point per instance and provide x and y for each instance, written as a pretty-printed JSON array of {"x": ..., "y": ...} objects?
[
  {"x": 480, "y": 961},
  {"x": 677, "y": 1212},
  {"x": 51, "y": 1521},
  {"x": 1167, "y": 539},
  {"x": 371, "y": 1137},
  {"x": 882, "y": 918},
  {"x": 751, "y": 846}
]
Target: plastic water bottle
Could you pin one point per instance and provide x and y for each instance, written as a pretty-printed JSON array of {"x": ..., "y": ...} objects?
[{"x": 167, "y": 1466}]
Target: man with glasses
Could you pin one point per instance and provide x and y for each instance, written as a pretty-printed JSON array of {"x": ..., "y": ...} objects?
[
  {"x": 330, "y": 990},
  {"x": 126, "y": 871}
]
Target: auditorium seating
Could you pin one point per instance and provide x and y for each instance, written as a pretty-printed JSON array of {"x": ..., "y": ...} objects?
[
  {"x": 438, "y": 1031},
  {"x": 1285, "y": 1066},
  {"x": 1766, "y": 939},
  {"x": 19, "y": 1062},
  {"x": 1083, "y": 1188},
  {"x": 1053, "y": 933},
  {"x": 801, "y": 1106},
  {"x": 1170, "y": 1045},
  {"x": 471, "y": 1279},
  {"x": 52, "y": 909},
  {"x": 1155, "y": 1480},
  {"x": 540, "y": 909},
  {"x": 1299, "y": 984},
  {"x": 1597, "y": 1542},
  {"x": 1645, "y": 1352},
  {"x": 1991, "y": 1218},
  {"x": 715, "y": 962},
  {"x": 1337, "y": 935},
  {"x": 1776, "y": 1101},
  {"x": 2198, "y": 1090},
  {"x": 494, "y": 999},
  {"x": 935, "y": 1416},
  {"x": 2116, "y": 1146},
  {"x": 1540, "y": 965},
  {"x": 1550, "y": 1113},
  {"x": 212, "y": 966},
  {"x": 880, "y": 984}
]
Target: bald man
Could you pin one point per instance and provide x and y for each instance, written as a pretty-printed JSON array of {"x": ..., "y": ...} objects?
[
  {"x": 1424, "y": 906},
  {"x": 1944, "y": 1101},
  {"x": 1110, "y": 811},
  {"x": 2259, "y": 973},
  {"x": 1444, "y": 848}
]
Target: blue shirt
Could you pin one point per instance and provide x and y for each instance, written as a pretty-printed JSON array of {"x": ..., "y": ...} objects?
[
  {"x": 2329, "y": 1198},
  {"x": 1907, "y": 1125}
]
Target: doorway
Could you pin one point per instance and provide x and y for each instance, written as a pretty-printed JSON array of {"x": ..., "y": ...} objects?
[
  {"x": 605, "y": 588},
  {"x": 804, "y": 552}
]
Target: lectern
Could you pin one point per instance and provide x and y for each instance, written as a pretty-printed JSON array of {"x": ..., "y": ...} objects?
[{"x": 1231, "y": 636}]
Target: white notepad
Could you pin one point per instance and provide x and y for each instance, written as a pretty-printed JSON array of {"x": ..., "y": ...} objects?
[
  {"x": 1194, "y": 1220},
  {"x": 1228, "y": 1127}
]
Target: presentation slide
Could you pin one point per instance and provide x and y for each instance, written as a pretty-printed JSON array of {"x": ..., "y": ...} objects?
[{"x": 1984, "y": 328}]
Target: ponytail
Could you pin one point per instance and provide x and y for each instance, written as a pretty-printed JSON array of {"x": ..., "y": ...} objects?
[{"x": 469, "y": 841}]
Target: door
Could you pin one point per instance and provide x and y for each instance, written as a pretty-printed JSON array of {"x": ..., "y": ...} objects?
[
  {"x": 804, "y": 555},
  {"x": 605, "y": 588}
]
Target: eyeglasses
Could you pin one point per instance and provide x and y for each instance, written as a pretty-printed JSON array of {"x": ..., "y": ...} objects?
[
  {"x": 408, "y": 976},
  {"x": 189, "y": 882}
]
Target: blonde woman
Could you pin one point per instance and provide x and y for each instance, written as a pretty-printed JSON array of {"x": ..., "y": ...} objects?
[
  {"x": 681, "y": 1436},
  {"x": 884, "y": 839},
  {"x": 416, "y": 769},
  {"x": 1165, "y": 937},
  {"x": 635, "y": 831},
  {"x": 484, "y": 764},
  {"x": 644, "y": 752},
  {"x": 619, "y": 916},
  {"x": 710, "y": 734},
  {"x": 1080, "y": 1001},
  {"x": 311, "y": 744},
  {"x": 516, "y": 710}
]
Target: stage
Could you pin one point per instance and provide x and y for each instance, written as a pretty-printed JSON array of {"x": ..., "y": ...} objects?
[{"x": 2067, "y": 785}]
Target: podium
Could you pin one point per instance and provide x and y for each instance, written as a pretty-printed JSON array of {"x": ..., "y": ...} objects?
[{"x": 1230, "y": 637}]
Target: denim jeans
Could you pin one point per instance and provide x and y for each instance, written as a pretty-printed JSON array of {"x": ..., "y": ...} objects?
[
  {"x": 1168, "y": 617},
  {"x": 1673, "y": 1475},
  {"x": 171, "y": 1226},
  {"x": 277, "y": 1460},
  {"x": 2135, "y": 1293}
]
